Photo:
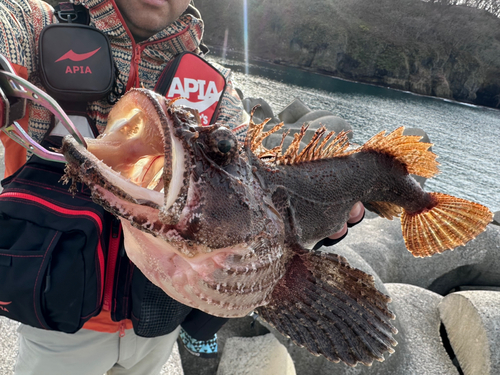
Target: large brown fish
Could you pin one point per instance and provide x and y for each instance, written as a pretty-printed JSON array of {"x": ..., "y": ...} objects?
[{"x": 227, "y": 227}]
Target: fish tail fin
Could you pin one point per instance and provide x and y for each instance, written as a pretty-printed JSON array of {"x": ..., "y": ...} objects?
[
  {"x": 449, "y": 223},
  {"x": 332, "y": 309},
  {"x": 407, "y": 149}
]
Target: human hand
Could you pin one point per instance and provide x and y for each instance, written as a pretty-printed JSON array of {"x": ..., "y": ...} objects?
[{"x": 355, "y": 217}]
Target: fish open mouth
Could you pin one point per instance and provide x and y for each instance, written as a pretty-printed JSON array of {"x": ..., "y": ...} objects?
[{"x": 136, "y": 158}]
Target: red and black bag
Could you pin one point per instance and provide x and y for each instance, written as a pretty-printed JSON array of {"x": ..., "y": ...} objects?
[
  {"x": 198, "y": 83},
  {"x": 52, "y": 249},
  {"x": 76, "y": 63}
]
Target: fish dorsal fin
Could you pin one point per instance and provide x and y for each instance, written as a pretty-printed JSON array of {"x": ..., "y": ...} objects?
[
  {"x": 331, "y": 309},
  {"x": 323, "y": 145},
  {"x": 407, "y": 149}
]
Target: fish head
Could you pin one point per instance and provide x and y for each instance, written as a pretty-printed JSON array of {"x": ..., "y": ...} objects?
[
  {"x": 191, "y": 209},
  {"x": 155, "y": 156}
]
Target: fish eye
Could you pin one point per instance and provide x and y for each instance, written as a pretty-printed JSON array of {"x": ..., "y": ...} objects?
[{"x": 224, "y": 146}]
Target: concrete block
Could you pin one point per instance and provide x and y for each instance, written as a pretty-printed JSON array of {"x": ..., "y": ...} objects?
[
  {"x": 472, "y": 322},
  {"x": 293, "y": 111},
  {"x": 380, "y": 242},
  {"x": 261, "y": 355},
  {"x": 423, "y": 351}
]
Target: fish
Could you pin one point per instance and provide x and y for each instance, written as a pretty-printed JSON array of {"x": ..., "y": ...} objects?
[{"x": 228, "y": 226}]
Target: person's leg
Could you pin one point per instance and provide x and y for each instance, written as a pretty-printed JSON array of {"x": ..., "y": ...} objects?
[
  {"x": 145, "y": 356},
  {"x": 86, "y": 352}
]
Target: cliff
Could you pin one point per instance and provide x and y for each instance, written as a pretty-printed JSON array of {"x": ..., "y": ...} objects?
[{"x": 427, "y": 48}]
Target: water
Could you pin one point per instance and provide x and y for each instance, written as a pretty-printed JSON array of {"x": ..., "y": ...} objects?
[{"x": 466, "y": 138}]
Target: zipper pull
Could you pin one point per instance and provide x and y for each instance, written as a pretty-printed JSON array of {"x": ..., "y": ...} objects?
[{"x": 122, "y": 329}]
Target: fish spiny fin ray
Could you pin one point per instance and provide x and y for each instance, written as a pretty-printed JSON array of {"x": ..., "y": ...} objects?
[
  {"x": 407, "y": 149},
  {"x": 323, "y": 145},
  {"x": 449, "y": 223},
  {"x": 331, "y": 309}
]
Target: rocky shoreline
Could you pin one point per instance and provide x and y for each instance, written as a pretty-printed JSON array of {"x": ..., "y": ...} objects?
[{"x": 449, "y": 52}]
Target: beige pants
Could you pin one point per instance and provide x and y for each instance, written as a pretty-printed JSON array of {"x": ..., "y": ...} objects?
[{"x": 91, "y": 353}]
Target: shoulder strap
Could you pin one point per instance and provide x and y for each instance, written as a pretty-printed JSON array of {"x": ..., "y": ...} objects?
[{"x": 71, "y": 13}]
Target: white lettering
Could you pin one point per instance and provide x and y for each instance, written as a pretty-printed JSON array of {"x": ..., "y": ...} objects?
[
  {"x": 190, "y": 86},
  {"x": 211, "y": 90},
  {"x": 176, "y": 88},
  {"x": 201, "y": 94}
]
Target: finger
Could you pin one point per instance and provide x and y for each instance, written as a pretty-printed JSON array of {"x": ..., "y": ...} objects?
[
  {"x": 340, "y": 233},
  {"x": 357, "y": 213}
]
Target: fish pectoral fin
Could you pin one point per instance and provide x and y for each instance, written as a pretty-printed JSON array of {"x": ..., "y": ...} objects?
[
  {"x": 331, "y": 309},
  {"x": 449, "y": 223},
  {"x": 386, "y": 210}
]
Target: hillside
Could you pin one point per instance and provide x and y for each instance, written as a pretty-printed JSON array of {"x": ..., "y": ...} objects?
[{"x": 427, "y": 48}]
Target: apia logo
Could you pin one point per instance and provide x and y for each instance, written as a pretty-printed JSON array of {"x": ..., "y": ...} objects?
[
  {"x": 207, "y": 94},
  {"x": 76, "y": 57},
  {"x": 3, "y": 304},
  {"x": 78, "y": 69}
]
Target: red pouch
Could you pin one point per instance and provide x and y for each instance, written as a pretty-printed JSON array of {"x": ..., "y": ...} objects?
[{"x": 195, "y": 80}]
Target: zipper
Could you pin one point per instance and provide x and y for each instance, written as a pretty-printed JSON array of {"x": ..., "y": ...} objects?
[
  {"x": 114, "y": 247},
  {"x": 122, "y": 328},
  {"x": 67, "y": 212},
  {"x": 137, "y": 48}
]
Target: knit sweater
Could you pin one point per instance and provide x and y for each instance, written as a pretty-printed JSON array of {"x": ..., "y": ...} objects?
[{"x": 137, "y": 64}]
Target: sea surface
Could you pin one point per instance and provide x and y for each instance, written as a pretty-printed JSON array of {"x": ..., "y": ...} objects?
[{"x": 466, "y": 138}]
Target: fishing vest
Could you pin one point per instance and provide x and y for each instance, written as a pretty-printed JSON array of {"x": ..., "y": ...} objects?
[{"x": 62, "y": 258}]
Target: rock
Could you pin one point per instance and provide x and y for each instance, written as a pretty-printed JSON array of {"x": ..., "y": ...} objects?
[
  {"x": 238, "y": 327},
  {"x": 472, "y": 322},
  {"x": 293, "y": 111},
  {"x": 310, "y": 117},
  {"x": 417, "y": 311},
  {"x": 261, "y": 355},
  {"x": 262, "y": 112},
  {"x": 496, "y": 218},
  {"x": 380, "y": 242}
]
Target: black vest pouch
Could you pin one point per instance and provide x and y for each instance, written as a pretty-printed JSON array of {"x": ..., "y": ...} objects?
[
  {"x": 52, "y": 250},
  {"x": 76, "y": 62}
]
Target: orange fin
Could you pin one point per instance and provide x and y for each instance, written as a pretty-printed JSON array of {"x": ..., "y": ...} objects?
[
  {"x": 407, "y": 149},
  {"x": 450, "y": 223},
  {"x": 386, "y": 210}
]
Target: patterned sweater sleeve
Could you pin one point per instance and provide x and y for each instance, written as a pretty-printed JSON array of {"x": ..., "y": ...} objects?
[{"x": 20, "y": 24}]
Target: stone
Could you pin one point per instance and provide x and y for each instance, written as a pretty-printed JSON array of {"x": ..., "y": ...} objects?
[
  {"x": 260, "y": 355},
  {"x": 262, "y": 112},
  {"x": 496, "y": 218},
  {"x": 380, "y": 242},
  {"x": 310, "y": 117},
  {"x": 293, "y": 111},
  {"x": 472, "y": 322},
  {"x": 417, "y": 311}
]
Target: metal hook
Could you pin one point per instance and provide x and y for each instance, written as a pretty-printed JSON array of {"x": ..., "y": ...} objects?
[{"x": 18, "y": 87}]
